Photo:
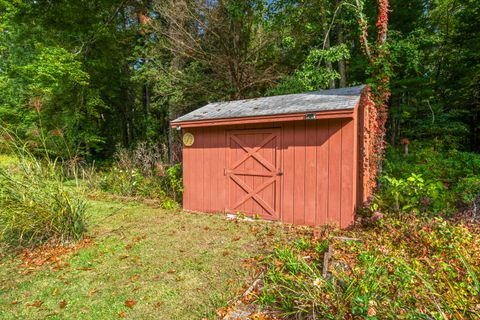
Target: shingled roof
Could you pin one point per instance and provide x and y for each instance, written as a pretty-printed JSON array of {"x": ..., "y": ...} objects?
[{"x": 315, "y": 101}]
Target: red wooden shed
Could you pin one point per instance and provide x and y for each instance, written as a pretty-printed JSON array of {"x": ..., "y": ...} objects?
[{"x": 295, "y": 158}]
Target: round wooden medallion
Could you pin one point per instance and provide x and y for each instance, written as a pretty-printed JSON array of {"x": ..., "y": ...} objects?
[{"x": 188, "y": 139}]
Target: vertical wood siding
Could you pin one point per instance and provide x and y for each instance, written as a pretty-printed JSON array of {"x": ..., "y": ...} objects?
[{"x": 319, "y": 165}]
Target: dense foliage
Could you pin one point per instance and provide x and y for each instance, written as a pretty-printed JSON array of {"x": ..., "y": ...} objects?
[
  {"x": 428, "y": 181},
  {"x": 101, "y": 73}
]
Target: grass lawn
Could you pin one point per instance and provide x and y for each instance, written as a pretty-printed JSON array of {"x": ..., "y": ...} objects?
[{"x": 142, "y": 263}]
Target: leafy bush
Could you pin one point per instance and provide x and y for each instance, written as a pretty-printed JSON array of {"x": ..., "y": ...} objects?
[
  {"x": 412, "y": 194},
  {"x": 468, "y": 189},
  {"x": 404, "y": 267},
  {"x": 36, "y": 206}
]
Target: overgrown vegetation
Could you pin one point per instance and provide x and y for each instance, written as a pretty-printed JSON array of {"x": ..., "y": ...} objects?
[
  {"x": 428, "y": 181},
  {"x": 142, "y": 172},
  {"x": 35, "y": 203},
  {"x": 406, "y": 267}
]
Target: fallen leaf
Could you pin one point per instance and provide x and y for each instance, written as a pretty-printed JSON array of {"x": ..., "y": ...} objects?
[
  {"x": 372, "y": 312},
  {"x": 171, "y": 271},
  {"x": 225, "y": 253},
  {"x": 143, "y": 237},
  {"x": 135, "y": 277},
  {"x": 236, "y": 238},
  {"x": 36, "y": 303},
  {"x": 130, "y": 303},
  {"x": 14, "y": 302},
  {"x": 121, "y": 314},
  {"x": 63, "y": 304},
  {"x": 92, "y": 292},
  {"x": 129, "y": 246}
]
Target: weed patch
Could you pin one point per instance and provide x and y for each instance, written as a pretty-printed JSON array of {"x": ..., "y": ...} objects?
[{"x": 411, "y": 267}]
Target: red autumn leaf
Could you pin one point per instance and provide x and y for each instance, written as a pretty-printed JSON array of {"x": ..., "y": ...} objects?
[
  {"x": 135, "y": 277},
  {"x": 121, "y": 314},
  {"x": 14, "y": 302},
  {"x": 236, "y": 238},
  {"x": 130, "y": 303},
  {"x": 63, "y": 304},
  {"x": 36, "y": 303}
]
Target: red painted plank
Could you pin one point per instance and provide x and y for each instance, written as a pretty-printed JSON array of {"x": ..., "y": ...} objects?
[
  {"x": 334, "y": 171},
  {"x": 322, "y": 145},
  {"x": 208, "y": 168},
  {"x": 187, "y": 175},
  {"x": 288, "y": 172},
  {"x": 299, "y": 174},
  {"x": 216, "y": 169},
  {"x": 222, "y": 160},
  {"x": 310, "y": 172},
  {"x": 196, "y": 171},
  {"x": 348, "y": 174}
]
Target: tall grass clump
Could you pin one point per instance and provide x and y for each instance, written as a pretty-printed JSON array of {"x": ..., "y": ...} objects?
[{"x": 35, "y": 204}]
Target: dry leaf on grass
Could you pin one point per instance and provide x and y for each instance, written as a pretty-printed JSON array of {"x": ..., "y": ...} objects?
[
  {"x": 92, "y": 292},
  {"x": 130, "y": 303},
  {"x": 36, "y": 304},
  {"x": 135, "y": 277}
]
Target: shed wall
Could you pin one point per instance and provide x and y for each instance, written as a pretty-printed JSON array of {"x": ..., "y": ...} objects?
[{"x": 319, "y": 164}]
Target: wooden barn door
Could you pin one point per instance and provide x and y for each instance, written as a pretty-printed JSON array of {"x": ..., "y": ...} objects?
[{"x": 253, "y": 171}]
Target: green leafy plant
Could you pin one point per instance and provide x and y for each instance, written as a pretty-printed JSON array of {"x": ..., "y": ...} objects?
[
  {"x": 411, "y": 194},
  {"x": 467, "y": 189}
]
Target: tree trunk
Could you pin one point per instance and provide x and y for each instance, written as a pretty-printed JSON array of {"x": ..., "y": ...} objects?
[
  {"x": 326, "y": 35},
  {"x": 341, "y": 62}
]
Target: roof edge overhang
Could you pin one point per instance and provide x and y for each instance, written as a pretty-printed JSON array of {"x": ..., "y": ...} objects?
[{"x": 330, "y": 114}]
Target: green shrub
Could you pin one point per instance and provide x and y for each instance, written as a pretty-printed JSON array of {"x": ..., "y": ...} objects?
[
  {"x": 427, "y": 180},
  {"x": 173, "y": 182},
  {"x": 412, "y": 194},
  {"x": 467, "y": 189},
  {"x": 36, "y": 206},
  {"x": 448, "y": 167}
]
